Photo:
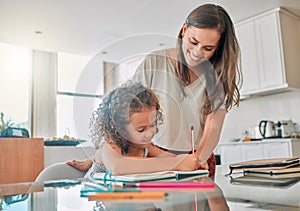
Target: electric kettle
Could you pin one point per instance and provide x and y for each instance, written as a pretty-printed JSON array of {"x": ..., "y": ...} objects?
[{"x": 267, "y": 129}]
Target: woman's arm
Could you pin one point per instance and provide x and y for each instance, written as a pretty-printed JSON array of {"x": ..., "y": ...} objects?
[
  {"x": 211, "y": 134},
  {"x": 120, "y": 164}
]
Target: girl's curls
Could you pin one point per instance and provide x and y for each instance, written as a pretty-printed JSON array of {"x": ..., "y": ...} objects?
[{"x": 114, "y": 112}]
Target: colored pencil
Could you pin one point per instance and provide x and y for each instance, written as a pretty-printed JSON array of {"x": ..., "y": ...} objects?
[
  {"x": 192, "y": 140},
  {"x": 127, "y": 195}
]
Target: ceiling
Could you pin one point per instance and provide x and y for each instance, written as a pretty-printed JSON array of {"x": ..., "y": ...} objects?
[{"x": 113, "y": 29}]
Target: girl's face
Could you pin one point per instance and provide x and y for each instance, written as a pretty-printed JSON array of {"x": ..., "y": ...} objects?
[
  {"x": 198, "y": 44},
  {"x": 142, "y": 127}
]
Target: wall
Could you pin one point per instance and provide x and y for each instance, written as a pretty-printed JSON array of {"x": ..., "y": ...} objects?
[
  {"x": 274, "y": 107},
  {"x": 15, "y": 77}
]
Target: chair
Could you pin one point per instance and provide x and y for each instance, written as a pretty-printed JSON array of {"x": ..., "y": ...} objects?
[{"x": 59, "y": 171}]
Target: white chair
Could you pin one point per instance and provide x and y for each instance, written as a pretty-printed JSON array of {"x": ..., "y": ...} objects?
[{"x": 59, "y": 171}]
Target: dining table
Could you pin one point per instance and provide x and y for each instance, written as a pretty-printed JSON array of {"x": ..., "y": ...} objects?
[{"x": 224, "y": 194}]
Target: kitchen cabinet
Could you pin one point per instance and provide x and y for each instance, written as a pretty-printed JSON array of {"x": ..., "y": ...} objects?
[
  {"x": 268, "y": 148},
  {"x": 269, "y": 46},
  {"x": 21, "y": 160}
]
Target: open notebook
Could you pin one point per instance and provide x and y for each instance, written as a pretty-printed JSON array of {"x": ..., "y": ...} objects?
[{"x": 154, "y": 176}]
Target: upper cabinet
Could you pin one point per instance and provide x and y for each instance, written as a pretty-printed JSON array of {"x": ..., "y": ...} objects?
[{"x": 270, "y": 49}]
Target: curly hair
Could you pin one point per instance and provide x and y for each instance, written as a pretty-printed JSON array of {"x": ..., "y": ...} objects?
[{"x": 113, "y": 113}]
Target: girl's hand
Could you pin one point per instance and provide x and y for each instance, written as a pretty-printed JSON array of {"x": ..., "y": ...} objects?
[
  {"x": 84, "y": 165},
  {"x": 203, "y": 166},
  {"x": 187, "y": 162}
]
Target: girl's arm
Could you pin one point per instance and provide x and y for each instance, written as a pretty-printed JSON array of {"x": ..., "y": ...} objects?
[
  {"x": 119, "y": 164},
  {"x": 211, "y": 134},
  {"x": 155, "y": 151}
]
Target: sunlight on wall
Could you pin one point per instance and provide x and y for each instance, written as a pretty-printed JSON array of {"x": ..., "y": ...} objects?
[{"x": 15, "y": 74}]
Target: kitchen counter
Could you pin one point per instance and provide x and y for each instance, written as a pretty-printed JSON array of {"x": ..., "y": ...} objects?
[
  {"x": 268, "y": 140},
  {"x": 231, "y": 152},
  {"x": 247, "y": 197}
]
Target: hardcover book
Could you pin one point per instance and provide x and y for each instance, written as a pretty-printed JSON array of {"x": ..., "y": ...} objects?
[
  {"x": 267, "y": 181},
  {"x": 265, "y": 164}
]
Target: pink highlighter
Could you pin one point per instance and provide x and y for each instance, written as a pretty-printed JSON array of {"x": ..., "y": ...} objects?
[{"x": 171, "y": 185}]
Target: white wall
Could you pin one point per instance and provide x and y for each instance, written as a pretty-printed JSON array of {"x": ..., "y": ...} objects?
[
  {"x": 274, "y": 107},
  {"x": 15, "y": 77}
]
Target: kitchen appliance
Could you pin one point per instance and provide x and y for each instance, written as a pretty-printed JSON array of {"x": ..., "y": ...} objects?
[
  {"x": 286, "y": 128},
  {"x": 268, "y": 129},
  {"x": 252, "y": 134}
]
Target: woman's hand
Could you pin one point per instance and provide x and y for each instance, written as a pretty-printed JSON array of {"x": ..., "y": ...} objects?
[
  {"x": 187, "y": 162},
  {"x": 84, "y": 165}
]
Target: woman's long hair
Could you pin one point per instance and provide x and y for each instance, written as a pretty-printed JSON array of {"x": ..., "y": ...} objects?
[{"x": 221, "y": 71}]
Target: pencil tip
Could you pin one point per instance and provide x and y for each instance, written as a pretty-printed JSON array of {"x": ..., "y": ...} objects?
[{"x": 192, "y": 128}]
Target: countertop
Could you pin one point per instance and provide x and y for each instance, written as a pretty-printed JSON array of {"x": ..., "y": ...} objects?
[
  {"x": 219, "y": 198},
  {"x": 268, "y": 140},
  {"x": 243, "y": 197}
]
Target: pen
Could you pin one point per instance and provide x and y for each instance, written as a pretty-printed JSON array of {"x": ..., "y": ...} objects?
[
  {"x": 192, "y": 140},
  {"x": 171, "y": 184},
  {"x": 127, "y": 195}
]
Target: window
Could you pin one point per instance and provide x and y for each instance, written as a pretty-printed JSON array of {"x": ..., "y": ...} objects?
[
  {"x": 79, "y": 89},
  {"x": 15, "y": 84}
]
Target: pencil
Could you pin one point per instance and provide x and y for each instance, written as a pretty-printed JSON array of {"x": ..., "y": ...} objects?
[
  {"x": 192, "y": 140},
  {"x": 127, "y": 195}
]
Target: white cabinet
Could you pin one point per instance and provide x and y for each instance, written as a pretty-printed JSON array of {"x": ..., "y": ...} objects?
[
  {"x": 269, "y": 45},
  {"x": 244, "y": 151},
  {"x": 252, "y": 151},
  {"x": 278, "y": 149},
  {"x": 229, "y": 153}
]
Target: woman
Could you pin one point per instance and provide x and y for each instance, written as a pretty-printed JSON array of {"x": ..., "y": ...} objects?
[{"x": 196, "y": 82}]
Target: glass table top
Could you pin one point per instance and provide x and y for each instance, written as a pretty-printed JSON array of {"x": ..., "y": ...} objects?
[{"x": 224, "y": 194}]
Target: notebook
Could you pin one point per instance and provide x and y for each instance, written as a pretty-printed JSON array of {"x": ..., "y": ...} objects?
[
  {"x": 265, "y": 164},
  {"x": 154, "y": 176},
  {"x": 267, "y": 181},
  {"x": 290, "y": 172}
]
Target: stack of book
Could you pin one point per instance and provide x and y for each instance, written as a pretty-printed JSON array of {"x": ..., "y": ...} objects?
[{"x": 282, "y": 172}]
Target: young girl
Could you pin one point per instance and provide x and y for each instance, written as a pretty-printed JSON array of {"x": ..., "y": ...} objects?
[{"x": 124, "y": 125}]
